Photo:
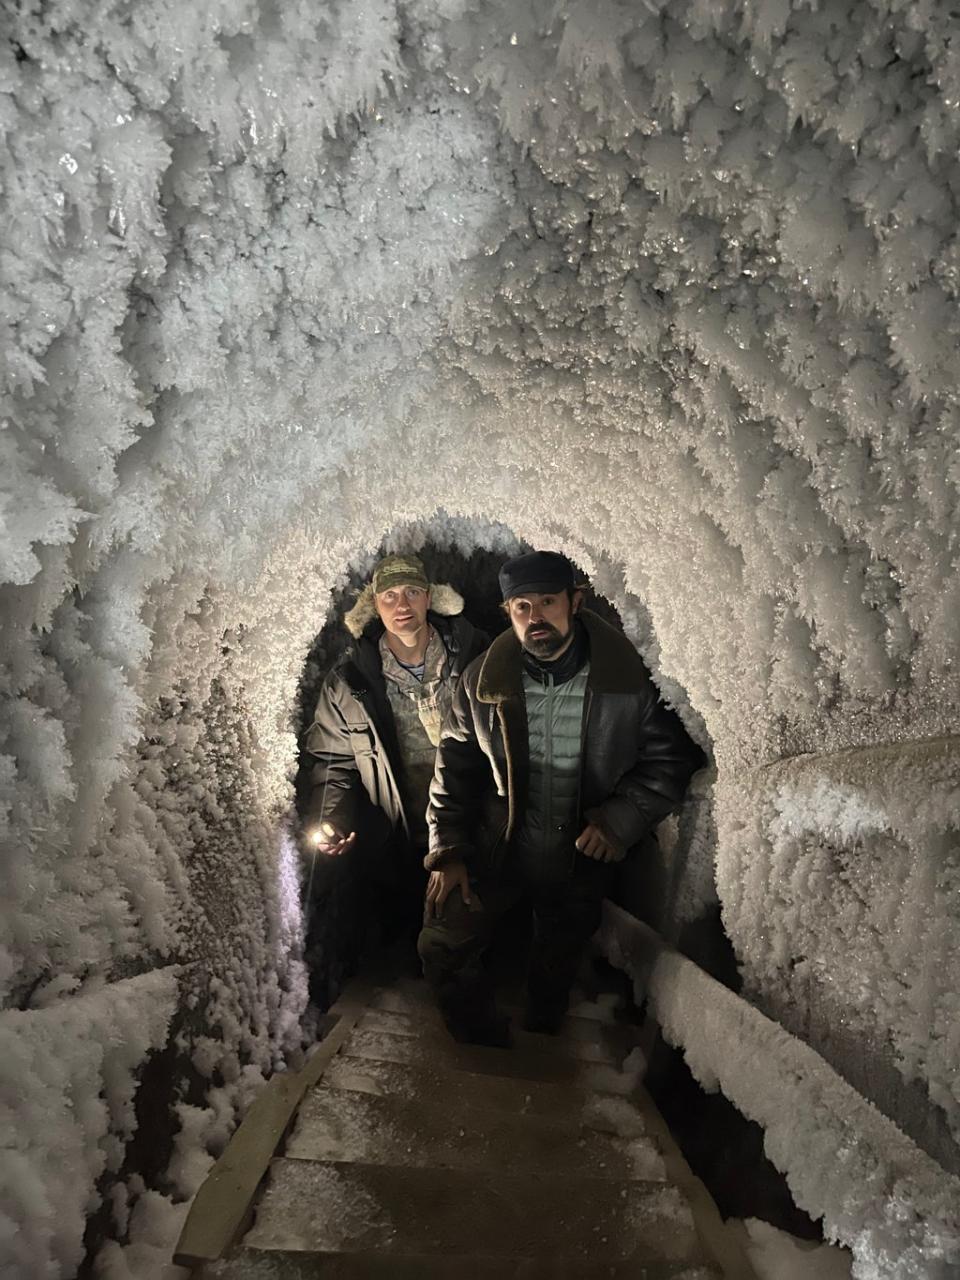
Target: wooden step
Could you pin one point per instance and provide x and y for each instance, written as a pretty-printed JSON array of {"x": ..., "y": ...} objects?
[
  {"x": 584, "y": 1021},
  {"x": 444, "y": 1085},
  {"x": 416, "y": 991},
  {"x": 336, "y": 1125},
  {"x": 387, "y": 1046},
  {"x": 463, "y": 1093},
  {"x": 587, "y": 1046},
  {"x": 324, "y": 1207},
  {"x": 521, "y": 1063},
  {"x": 253, "y": 1264},
  {"x": 453, "y": 1090}
]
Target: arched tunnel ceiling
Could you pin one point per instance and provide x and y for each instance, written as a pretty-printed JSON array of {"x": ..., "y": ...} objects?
[{"x": 685, "y": 273}]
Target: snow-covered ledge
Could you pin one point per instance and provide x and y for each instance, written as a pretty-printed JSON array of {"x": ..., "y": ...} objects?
[{"x": 845, "y": 1162}]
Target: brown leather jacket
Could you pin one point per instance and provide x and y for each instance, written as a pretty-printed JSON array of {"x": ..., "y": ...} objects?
[{"x": 635, "y": 763}]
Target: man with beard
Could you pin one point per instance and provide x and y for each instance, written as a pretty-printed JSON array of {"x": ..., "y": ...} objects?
[{"x": 556, "y": 759}]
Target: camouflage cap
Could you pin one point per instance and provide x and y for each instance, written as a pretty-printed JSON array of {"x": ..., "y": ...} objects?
[{"x": 399, "y": 571}]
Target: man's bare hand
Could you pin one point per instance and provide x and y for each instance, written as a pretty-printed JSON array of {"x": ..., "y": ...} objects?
[
  {"x": 442, "y": 883},
  {"x": 332, "y": 841},
  {"x": 594, "y": 844}
]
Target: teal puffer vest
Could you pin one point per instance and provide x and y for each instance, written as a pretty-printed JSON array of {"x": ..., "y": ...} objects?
[{"x": 544, "y": 843}]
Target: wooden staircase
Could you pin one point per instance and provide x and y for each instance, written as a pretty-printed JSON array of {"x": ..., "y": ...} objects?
[{"x": 397, "y": 1153}]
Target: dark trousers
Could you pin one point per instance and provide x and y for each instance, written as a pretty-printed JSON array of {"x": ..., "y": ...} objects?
[
  {"x": 453, "y": 947},
  {"x": 362, "y": 900}
]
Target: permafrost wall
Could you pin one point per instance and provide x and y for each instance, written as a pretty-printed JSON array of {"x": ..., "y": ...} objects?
[{"x": 672, "y": 287}]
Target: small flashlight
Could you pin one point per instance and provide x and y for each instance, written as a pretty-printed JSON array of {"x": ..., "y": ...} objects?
[{"x": 323, "y": 833}]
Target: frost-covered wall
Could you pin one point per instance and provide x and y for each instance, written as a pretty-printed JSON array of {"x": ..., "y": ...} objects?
[
  {"x": 673, "y": 286},
  {"x": 851, "y": 863}
]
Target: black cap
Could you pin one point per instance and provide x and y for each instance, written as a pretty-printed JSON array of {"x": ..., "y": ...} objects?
[{"x": 543, "y": 572}]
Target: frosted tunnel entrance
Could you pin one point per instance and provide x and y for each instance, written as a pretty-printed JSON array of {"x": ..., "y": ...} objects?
[{"x": 671, "y": 888}]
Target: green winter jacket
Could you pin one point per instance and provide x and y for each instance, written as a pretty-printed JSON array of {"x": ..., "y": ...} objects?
[{"x": 554, "y": 730}]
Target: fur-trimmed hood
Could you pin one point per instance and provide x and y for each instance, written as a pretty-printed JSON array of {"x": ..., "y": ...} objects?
[{"x": 444, "y": 600}]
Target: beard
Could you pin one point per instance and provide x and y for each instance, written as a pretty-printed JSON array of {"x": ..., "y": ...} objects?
[{"x": 546, "y": 645}]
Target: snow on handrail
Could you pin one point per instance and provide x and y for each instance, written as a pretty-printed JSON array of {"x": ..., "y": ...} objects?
[{"x": 845, "y": 1162}]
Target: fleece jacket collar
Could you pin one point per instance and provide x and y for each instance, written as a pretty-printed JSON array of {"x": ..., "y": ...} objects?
[{"x": 615, "y": 665}]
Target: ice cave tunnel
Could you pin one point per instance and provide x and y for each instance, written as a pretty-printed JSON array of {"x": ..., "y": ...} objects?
[{"x": 672, "y": 287}]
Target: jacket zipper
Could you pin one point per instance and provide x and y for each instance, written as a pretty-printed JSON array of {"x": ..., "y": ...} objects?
[
  {"x": 547, "y": 829},
  {"x": 587, "y": 705}
]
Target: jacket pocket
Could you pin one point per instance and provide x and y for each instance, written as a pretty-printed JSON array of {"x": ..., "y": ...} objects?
[{"x": 361, "y": 739}]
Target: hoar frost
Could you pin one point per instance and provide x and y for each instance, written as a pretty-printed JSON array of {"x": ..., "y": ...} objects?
[{"x": 672, "y": 288}]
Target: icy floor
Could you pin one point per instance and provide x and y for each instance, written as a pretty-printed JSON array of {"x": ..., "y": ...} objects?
[{"x": 777, "y": 1255}]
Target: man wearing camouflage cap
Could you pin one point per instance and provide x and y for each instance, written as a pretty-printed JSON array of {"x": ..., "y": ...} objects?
[{"x": 376, "y": 728}]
